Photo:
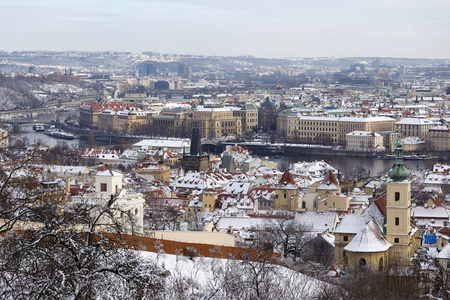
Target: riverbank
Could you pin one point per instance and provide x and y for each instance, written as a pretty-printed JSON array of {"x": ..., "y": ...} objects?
[{"x": 312, "y": 149}]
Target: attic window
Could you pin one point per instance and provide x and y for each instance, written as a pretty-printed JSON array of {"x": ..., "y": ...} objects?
[{"x": 345, "y": 238}]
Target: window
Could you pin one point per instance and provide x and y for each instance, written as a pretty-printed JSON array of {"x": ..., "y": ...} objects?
[
  {"x": 285, "y": 195},
  {"x": 397, "y": 196},
  {"x": 362, "y": 263},
  {"x": 380, "y": 265},
  {"x": 345, "y": 238},
  {"x": 448, "y": 264},
  {"x": 103, "y": 187},
  {"x": 303, "y": 204},
  {"x": 397, "y": 221},
  {"x": 344, "y": 253},
  {"x": 396, "y": 240}
]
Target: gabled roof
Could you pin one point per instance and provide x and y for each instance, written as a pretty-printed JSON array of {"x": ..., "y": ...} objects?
[
  {"x": 445, "y": 252},
  {"x": 374, "y": 212},
  {"x": 444, "y": 231},
  {"x": 314, "y": 221},
  {"x": 329, "y": 182},
  {"x": 330, "y": 179},
  {"x": 352, "y": 224},
  {"x": 381, "y": 204},
  {"x": 286, "y": 178},
  {"x": 437, "y": 212},
  {"x": 436, "y": 201},
  {"x": 369, "y": 239}
]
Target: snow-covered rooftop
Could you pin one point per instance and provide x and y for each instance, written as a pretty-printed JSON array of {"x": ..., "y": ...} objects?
[{"x": 369, "y": 239}]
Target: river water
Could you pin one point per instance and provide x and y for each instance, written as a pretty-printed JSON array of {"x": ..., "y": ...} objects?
[
  {"x": 346, "y": 164},
  {"x": 343, "y": 164},
  {"x": 27, "y": 133}
]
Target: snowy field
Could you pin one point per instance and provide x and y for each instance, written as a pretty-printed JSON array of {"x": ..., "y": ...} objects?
[{"x": 212, "y": 278}]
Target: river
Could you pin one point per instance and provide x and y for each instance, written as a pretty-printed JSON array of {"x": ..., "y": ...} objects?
[
  {"x": 27, "y": 133},
  {"x": 343, "y": 164}
]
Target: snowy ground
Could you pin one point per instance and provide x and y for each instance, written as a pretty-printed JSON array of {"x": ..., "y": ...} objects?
[{"x": 201, "y": 276}]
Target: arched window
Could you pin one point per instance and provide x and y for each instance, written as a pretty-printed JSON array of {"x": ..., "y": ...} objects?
[
  {"x": 397, "y": 221},
  {"x": 397, "y": 196},
  {"x": 362, "y": 263},
  {"x": 285, "y": 195},
  {"x": 380, "y": 264},
  {"x": 303, "y": 204}
]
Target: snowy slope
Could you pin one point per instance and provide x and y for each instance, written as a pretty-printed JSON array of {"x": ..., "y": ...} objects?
[{"x": 229, "y": 278}]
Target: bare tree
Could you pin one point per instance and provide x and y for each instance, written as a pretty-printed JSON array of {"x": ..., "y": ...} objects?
[
  {"x": 285, "y": 236},
  {"x": 68, "y": 255}
]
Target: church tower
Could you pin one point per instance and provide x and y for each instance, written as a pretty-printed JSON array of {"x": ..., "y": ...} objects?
[
  {"x": 399, "y": 231},
  {"x": 286, "y": 194}
]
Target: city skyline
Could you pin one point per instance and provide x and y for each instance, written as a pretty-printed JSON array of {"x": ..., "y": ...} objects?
[{"x": 410, "y": 29}]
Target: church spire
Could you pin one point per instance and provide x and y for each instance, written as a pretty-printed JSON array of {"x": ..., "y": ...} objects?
[{"x": 398, "y": 172}]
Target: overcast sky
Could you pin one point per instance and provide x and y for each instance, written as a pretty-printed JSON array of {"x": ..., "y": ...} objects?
[{"x": 276, "y": 28}]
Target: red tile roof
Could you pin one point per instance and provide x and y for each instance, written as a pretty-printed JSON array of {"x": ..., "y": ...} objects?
[
  {"x": 381, "y": 204},
  {"x": 330, "y": 178},
  {"x": 286, "y": 178}
]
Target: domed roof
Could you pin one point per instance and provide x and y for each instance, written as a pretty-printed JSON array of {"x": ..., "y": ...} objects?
[{"x": 398, "y": 172}]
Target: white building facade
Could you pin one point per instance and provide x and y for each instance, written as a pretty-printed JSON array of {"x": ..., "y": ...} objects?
[{"x": 364, "y": 141}]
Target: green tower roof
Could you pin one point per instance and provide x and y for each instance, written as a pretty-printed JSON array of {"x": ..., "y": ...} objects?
[{"x": 398, "y": 172}]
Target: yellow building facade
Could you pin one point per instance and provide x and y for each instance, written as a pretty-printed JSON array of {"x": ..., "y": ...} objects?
[
  {"x": 209, "y": 199},
  {"x": 438, "y": 138},
  {"x": 392, "y": 239},
  {"x": 286, "y": 194},
  {"x": 329, "y": 130}
]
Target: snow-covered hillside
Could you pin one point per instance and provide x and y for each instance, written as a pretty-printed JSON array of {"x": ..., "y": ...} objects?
[{"x": 212, "y": 278}]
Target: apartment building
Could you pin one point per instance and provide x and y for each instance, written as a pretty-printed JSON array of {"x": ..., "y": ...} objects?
[
  {"x": 122, "y": 121},
  {"x": 415, "y": 127},
  {"x": 331, "y": 130},
  {"x": 438, "y": 138},
  {"x": 90, "y": 111},
  {"x": 369, "y": 141},
  {"x": 249, "y": 116}
]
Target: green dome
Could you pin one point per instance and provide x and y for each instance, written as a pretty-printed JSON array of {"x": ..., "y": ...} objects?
[{"x": 398, "y": 173}]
